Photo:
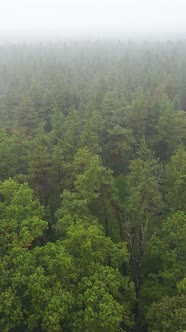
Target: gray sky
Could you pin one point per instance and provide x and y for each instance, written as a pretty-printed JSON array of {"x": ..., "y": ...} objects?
[{"x": 98, "y": 18}]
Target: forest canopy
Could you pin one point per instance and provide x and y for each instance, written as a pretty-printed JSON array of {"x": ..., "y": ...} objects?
[{"x": 93, "y": 187}]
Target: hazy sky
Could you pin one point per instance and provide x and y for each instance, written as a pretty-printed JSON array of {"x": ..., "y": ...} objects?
[{"x": 97, "y": 18}]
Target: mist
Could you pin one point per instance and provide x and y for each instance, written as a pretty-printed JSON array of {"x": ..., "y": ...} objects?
[{"x": 47, "y": 20}]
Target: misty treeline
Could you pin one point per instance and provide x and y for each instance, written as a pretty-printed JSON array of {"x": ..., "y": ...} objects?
[{"x": 93, "y": 187}]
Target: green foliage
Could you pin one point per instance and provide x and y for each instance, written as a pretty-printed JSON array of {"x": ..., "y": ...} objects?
[
  {"x": 21, "y": 225},
  {"x": 142, "y": 204},
  {"x": 90, "y": 179},
  {"x": 98, "y": 285},
  {"x": 21, "y": 216},
  {"x": 168, "y": 315},
  {"x": 13, "y": 155},
  {"x": 175, "y": 181},
  {"x": 73, "y": 284},
  {"x": 26, "y": 117},
  {"x": 98, "y": 131},
  {"x": 165, "y": 269}
]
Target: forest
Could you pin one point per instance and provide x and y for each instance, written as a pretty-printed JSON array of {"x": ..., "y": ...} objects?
[{"x": 93, "y": 186}]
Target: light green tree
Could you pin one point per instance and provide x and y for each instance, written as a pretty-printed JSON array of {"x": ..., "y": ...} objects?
[{"x": 164, "y": 274}]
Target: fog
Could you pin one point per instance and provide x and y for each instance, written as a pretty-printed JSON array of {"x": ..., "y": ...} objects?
[{"x": 55, "y": 19}]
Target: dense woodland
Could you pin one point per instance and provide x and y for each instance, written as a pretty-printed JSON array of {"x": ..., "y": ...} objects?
[{"x": 93, "y": 187}]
